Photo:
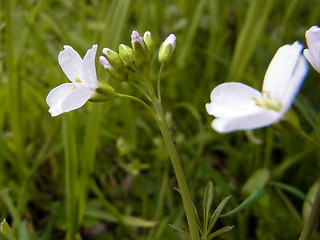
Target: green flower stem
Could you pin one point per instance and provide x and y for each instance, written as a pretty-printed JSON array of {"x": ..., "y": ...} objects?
[
  {"x": 71, "y": 168},
  {"x": 183, "y": 188},
  {"x": 159, "y": 81},
  {"x": 313, "y": 217},
  {"x": 138, "y": 100}
]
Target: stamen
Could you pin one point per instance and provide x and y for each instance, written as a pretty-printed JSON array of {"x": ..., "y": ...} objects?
[
  {"x": 77, "y": 79},
  {"x": 267, "y": 102}
]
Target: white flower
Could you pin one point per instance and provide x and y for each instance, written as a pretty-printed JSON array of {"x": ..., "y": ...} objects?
[
  {"x": 81, "y": 73},
  {"x": 237, "y": 106},
  {"x": 313, "y": 53}
]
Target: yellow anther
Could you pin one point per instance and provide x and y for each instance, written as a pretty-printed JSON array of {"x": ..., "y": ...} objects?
[
  {"x": 267, "y": 102},
  {"x": 77, "y": 79}
]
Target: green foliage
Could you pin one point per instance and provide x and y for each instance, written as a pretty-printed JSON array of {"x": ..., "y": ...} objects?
[{"x": 122, "y": 183}]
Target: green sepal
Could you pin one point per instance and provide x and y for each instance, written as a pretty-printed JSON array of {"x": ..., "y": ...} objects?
[
  {"x": 104, "y": 92},
  {"x": 165, "y": 53},
  {"x": 118, "y": 74},
  {"x": 139, "y": 53},
  {"x": 150, "y": 44},
  {"x": 126, "y": 54}
]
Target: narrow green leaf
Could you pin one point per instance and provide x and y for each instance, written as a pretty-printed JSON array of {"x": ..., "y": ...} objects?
[
  {"x": 254, "y": 196},
  {"x": 197, "y": 219},
  {"x": 7, "y": 231},
  {"x": 219, "y": 232},
  {"x": 217, "y": 213},
  {"x": 180, "y": 229},
  {"x": 207, "y": 201},
  {"x": 127, "y": 219}
]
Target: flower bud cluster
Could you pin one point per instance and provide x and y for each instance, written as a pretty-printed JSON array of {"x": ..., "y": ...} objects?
[{"x": 120, "y": 64}]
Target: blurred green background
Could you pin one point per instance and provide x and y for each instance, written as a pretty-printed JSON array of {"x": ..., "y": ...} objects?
[{"x": 122, "y": 178}]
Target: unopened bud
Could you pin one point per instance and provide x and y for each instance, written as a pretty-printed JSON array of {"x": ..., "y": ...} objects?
[
  {"x": 139, "y": 51},
  {"x": 167, "y": 48},
  {"x": 104, "y": 62},
  {"x": 113, "y": 58},
  {"x": 149, "y": 42},
  {"x": 116, "y": 74},
  {"x": 135, "y": 37},
  {"x": 126, "y": 54}
]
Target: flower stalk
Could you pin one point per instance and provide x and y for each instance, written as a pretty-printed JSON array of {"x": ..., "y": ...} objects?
[
  {"x": 158, "y": 115},
  {"x": 144, "y": 84},
  {"x": 175, "y": 161}
]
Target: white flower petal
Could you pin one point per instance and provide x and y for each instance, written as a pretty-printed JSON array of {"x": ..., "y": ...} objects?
[
  {"x": 67, "y": 97},
  {"x": 293, "y": 87},
  {"x": 282, "y": 70},
  {"x": 56, "y": 96},
  {"x": 71, "y": 63},
  {"x": 89, "y": 67},
  {"x": 259, "y": 119},
  {"x": 311, "y": 59},
  {"x": 233, "y": 100},
  {"x": 313, "y": 42}
]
